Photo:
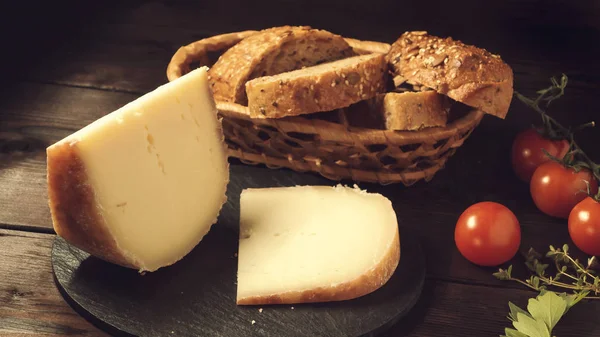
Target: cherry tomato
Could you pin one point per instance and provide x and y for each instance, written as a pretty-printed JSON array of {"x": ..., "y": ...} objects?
[
  {"x": 584, "y": 226},
  {"x": 527, "y": 152},
  {"x": 556, "y": 189},
  {"x": 487, "y": 234}
]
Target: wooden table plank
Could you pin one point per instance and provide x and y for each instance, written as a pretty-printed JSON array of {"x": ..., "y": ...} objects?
[
  {"x": 33, "y": 117},
  {"x": 23, "y": 202},
  {"x": 32, "y": 303},
  {"x": 29, "y": 300},
  {"x": 121, "y": 57}
]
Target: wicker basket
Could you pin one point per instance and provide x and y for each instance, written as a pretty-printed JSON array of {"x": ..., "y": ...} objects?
[{"x": 328, "y": 146}]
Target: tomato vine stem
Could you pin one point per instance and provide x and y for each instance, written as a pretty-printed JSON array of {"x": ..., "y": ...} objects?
[{"x": 553, "y": 130}]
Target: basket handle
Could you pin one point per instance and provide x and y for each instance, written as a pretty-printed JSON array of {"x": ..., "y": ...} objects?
[{"x": 197, "y": 52}]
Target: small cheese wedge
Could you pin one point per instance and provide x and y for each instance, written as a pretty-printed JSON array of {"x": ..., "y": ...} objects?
[
  {"x": 314, "y": 244},
  {"x": 141, "y": 186}
]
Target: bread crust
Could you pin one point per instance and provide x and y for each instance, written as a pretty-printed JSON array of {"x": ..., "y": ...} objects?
[
  {"x": 465, "y": 73},
  {"x": 262, "y": 54},
  {"x": 414, "y": 110},
  {"x": 324, "y": 87},
  {"x": 365, "y": 284},
  {"x": 400, "y": 111},
  {"x": 73, "y": 207}
]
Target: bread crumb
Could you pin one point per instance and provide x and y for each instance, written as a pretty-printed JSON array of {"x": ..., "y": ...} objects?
[
  {"x": 253, "y": 322},
  {"x": 260, "y": 309}
]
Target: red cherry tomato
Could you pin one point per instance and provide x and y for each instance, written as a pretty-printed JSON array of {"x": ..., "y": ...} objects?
[
  {"x": 487, "y": 234},
  {"x": 584, "y": 226},
  {"x": 556, "y": 189},
  {"x": 527, "y": 152}
]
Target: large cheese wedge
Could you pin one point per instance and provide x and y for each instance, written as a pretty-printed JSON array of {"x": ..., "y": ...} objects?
[
  {"x": 140, "y": 187},
  {"x": 314, "y": 244}
]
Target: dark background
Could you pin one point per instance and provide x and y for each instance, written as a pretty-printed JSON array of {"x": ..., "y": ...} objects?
[{"x": 538, "y": 39}]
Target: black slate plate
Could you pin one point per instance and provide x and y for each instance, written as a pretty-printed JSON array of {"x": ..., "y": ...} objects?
[{"x": 196, "y": 296}]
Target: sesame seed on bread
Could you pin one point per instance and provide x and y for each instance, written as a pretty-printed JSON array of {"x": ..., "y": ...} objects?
[
  {"x": 269, "y": 52},
  {"x": 465, "y": 73},
  {"x": 323, "y": 87}
]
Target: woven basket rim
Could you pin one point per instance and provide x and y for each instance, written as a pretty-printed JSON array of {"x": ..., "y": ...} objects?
[
  {"x": 194, "y": 51},
  {"x": 185, "y": 55},
  {"x": 340, "y": 132}
]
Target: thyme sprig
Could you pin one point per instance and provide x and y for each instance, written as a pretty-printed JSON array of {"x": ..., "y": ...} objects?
[{"x": 568, "y": 273}]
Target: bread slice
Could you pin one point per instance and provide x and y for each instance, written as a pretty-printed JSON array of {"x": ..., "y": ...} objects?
[
  {"x": 414, "y": 110},
  {"x": 400, "y": 111},
  {"x": 269, "y": 52},
  {"x": 323, "y": 87},
  {"x": 314, "y": 244},
  {"x": 467, "y": 74}
]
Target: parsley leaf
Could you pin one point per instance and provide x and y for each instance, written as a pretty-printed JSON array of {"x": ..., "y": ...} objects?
[
  {"x": 508, "y": 332},
  {"x": 514, "y": 310},
  {"x": 543, "y": 312},
  {"x": 547, "y": 308},
  {"x": 530, "y": 326}
]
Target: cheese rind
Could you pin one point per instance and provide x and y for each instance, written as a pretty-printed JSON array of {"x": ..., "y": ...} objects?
[
  {"x": 314, "y": 244},
  {"x": 140, "y": 187}
]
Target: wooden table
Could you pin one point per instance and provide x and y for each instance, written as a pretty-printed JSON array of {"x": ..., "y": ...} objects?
[{"x": 69, "y": 64}]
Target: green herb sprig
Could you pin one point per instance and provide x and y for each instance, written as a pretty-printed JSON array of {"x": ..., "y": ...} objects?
[{"x": 568, "y": 273}]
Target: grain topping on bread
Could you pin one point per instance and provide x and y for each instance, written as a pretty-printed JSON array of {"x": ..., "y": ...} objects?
[
  {"x": 465, "y": 73},
  {"x": 323, "y": 87},
  {"x": 269, "y": 52}
]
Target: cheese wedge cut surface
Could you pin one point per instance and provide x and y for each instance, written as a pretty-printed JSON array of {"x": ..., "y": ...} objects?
[
  {"x": 140, "y": 187},
  {"x": 314, "y": 244}
]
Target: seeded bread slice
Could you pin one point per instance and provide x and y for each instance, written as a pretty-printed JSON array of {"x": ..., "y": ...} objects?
[
  {"x": 323, "y": 87},
  {"x": 269, "y": 52},
  {"x": 400, "y": 111},
  {"x": 465, "y": 73}
]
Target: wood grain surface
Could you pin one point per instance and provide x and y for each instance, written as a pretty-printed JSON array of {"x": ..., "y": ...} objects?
[
  {"x": 30, "y": 302},
  {"x": 67, "y": 63}
]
